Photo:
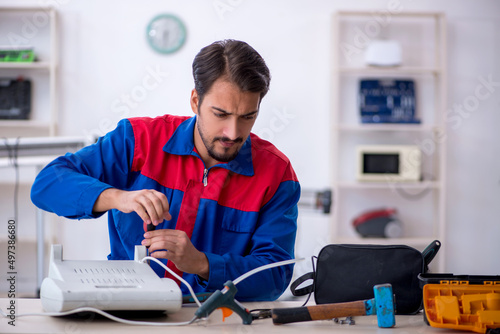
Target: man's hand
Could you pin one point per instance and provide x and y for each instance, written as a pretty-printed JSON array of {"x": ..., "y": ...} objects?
[
  {"x": 151, "y": 205},
  {"x": 175, "y": 246}
]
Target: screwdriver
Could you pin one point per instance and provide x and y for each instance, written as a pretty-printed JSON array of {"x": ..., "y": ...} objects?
[{"x": 149, "y": 227}]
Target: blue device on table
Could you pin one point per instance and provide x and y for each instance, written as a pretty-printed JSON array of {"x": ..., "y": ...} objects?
[{"x": 387, "y": 101}]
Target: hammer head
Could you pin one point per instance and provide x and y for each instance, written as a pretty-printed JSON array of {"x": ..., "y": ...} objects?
[{"x": 384, "y": 305}]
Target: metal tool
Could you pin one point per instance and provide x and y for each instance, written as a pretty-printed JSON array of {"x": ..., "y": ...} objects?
[
  {"x": 149, "y": 227},
  {"x": 381, "y": 305}
]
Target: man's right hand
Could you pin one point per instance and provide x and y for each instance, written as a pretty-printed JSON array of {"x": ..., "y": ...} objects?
[{"x": 151, "y": 205}]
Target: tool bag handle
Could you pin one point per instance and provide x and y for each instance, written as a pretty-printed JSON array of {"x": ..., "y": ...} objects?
[
  {"x": 302, "y": 291},
  {"x": 308, "y": 290}
]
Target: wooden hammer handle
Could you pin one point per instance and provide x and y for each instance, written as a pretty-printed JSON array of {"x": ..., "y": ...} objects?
[{"x": 318, "y": 312}]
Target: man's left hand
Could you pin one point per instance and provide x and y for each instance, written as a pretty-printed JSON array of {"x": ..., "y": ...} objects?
[{"x": 175, "y": 246}]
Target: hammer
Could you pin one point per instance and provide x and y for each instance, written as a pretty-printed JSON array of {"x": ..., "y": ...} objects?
[{"x": 382, "y": 305}]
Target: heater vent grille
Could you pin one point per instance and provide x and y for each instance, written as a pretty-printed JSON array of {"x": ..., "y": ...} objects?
[{"x": 108, "y": 276}]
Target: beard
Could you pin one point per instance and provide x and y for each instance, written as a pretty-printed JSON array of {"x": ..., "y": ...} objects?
[{"x": 209, "y": 143}]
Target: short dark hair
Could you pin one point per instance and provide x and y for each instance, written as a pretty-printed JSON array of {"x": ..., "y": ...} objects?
[{"x": 235, "y": 59}]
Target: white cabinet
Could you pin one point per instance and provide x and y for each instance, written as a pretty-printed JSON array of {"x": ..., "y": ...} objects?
[
  {"x": 37, "y": 27},
  {"x": 420, "y": 205}
]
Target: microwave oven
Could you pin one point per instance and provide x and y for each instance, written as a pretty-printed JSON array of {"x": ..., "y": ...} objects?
[{"x": 392, "y": 163}]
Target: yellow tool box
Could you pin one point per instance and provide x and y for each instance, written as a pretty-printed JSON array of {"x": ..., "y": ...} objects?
[{"x": 470, "y": 303}]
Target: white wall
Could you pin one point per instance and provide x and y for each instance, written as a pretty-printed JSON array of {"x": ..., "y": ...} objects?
[{"x": 104, "y": 56}]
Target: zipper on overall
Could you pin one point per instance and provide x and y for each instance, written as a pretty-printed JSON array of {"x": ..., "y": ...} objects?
[{"x": 205, "y": 177}]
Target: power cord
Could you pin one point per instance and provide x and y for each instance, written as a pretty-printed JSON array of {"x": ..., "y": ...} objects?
[
  {"x": 13, "y": 152},
  {"x": 175, "y": 275},
  {"x": 103, "y": 313},
  {"x": 148, "y": 323},
  {"x": 264, "y": 267}
]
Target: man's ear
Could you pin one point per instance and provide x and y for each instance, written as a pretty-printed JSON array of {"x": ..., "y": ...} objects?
[{"x": 195, "y": 99}]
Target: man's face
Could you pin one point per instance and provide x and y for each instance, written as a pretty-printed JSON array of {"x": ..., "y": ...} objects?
[{"x": 225, "y": 118}]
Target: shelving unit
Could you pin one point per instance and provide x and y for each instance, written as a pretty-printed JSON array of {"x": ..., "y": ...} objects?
[
  {"x": 420, "y": 204},
  {"x": 36, "y": 26}
]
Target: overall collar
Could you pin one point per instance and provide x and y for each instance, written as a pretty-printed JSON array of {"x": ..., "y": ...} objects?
[{"x": 182, "y": 143}]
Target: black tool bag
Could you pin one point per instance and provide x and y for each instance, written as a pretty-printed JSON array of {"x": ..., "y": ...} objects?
[{"x": 348, "y": 273}]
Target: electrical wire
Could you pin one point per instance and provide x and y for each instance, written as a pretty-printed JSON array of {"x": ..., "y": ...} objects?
[
  {"x": 13, "y": 152},
  {"x": 105, "y": 314},
  {"x": 264, "y": 267},
  {"x": 175, "y": 275}
]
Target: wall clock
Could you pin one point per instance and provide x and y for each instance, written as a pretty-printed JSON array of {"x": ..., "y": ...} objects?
[{"x": 166, "y": 33}]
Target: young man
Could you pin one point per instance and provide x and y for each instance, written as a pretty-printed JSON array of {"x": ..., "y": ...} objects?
[{"x": 222, "y": 200}]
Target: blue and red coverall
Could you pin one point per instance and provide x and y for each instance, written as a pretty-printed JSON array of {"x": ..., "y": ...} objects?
[{"x": 241, "y": 214}]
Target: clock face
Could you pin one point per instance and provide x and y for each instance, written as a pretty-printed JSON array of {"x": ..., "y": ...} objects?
[{"x": 166, "y": 33}]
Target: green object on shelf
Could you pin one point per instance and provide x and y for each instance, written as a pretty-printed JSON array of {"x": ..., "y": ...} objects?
[{"x": 17, "y": 56}]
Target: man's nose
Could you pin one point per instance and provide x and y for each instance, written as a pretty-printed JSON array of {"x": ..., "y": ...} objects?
[{"x": 232, "y": 129}]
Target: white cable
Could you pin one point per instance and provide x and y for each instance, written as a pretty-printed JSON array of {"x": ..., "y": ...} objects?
[
  {"x": 105, "y": 314},
  {"x": 175, "y": 275},
  {"x": 264, "y": 267}
]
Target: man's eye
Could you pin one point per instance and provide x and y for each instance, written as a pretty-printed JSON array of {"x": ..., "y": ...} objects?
[
  {"x": 220, "y": 115},
  {"x": 249, "y": 117}
]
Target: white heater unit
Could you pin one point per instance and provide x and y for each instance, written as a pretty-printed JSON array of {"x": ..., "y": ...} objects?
[{"x": 114, "y": 285}]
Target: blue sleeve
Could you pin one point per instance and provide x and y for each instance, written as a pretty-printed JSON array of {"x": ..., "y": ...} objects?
[
  {"x": 273, "y": 241},
  {"x": 70, "y": 185}
]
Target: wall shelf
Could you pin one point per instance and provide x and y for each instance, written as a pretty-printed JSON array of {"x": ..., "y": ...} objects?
[
  {"x": 43, "y": 72},
  {"x": 420, "y": 205},
  {"x": 43, "y": 118},
  {"x": 37, "y": 65},
  {"x": 389, "y": 70},
  {"x": 385, "y": 127},
  {"x": 384, "y": 185}
]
